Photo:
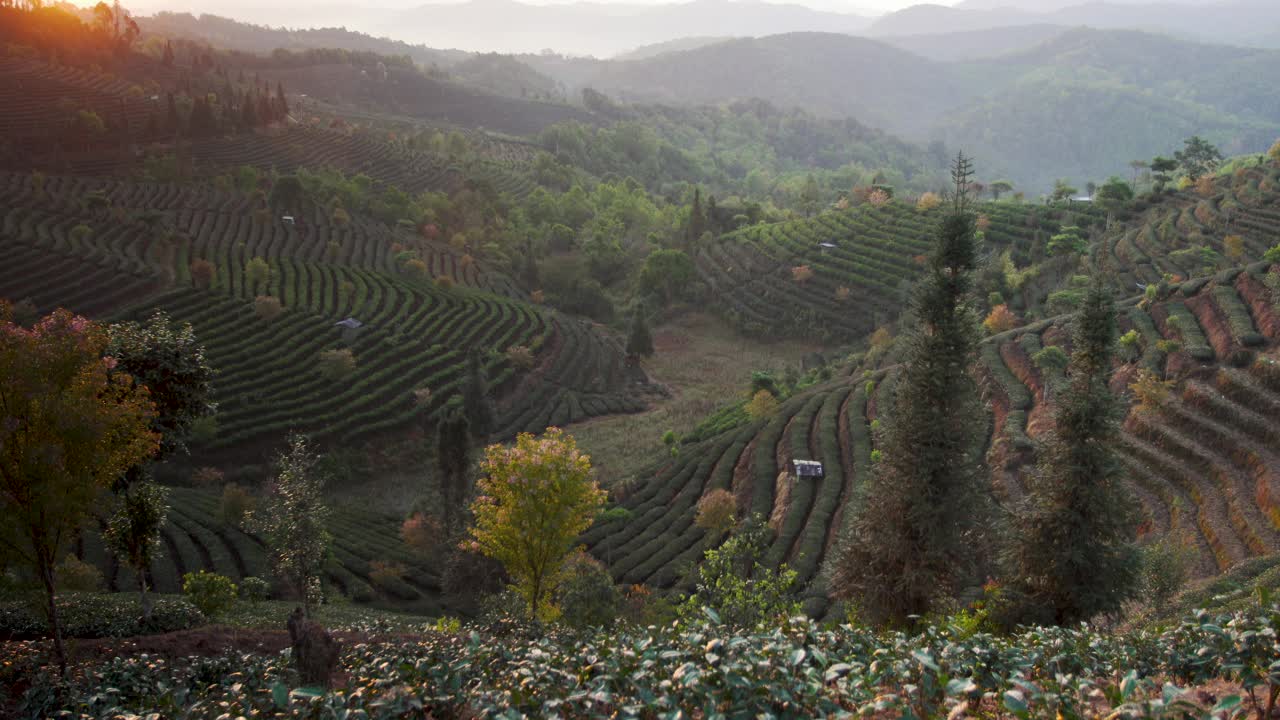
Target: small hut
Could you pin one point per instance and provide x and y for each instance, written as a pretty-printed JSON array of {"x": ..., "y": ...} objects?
[
  {"x": 350, "y": 329},
  {"x": 808, "y": 469}
]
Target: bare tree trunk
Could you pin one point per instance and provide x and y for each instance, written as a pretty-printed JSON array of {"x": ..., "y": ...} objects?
[
  {"x": 148, "y": 605},
  {"x": 45, "y": 568}
]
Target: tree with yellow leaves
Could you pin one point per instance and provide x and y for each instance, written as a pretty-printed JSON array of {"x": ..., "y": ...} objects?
[
  {"x": 534, "y": 500},
  {"x": 69, "y": 428}
]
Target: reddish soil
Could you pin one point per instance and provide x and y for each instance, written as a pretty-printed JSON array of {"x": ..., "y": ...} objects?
[
  {"x": 1258, "y": 297},
  {"x": 1215, "y": 326}
]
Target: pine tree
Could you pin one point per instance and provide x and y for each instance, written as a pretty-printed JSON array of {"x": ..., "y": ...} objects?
[
  {"x": 697, "y": 222},
  {"x": 914, "y": 540},
  {"x": 1073, "y": 555},
  {"x": 475, "y": 399},
  {"x": 639, "y": 341},
  {"x": 284, "y": 104},
  {"x": 453, "y": 458},
  {"x": 168, "y": 54}
]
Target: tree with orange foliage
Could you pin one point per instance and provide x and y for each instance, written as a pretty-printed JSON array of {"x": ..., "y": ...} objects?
[
  {"x": 802, "y": 274},
  {"x": 1233, "y": 247},
  {"x": 1000, "y": 319},
  {"x": 70, "y": 428},
  {"x": 878, "y": 198}
]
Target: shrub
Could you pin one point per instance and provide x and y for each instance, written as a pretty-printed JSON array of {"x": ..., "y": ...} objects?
[
  {"x": 1150, "y": 390},
  {"x": 1272, "y": 255},
  {"x": 254, "y": 589},
  {"x": 386, "y": 576},
  {"x": 257, "y": 272},
  {"x": 537, "y": 297},
  {"x": 928, "y": 201},
  {"x": 1233, "y": 247},
  {"x": 843, "y": 293},
  {"x": 717, "y": 511},
  {"x": 202, "y": 273},
  {"x": 236, "y": 505},
  {"x": 520, "y": 356},
  {"x": 444, "y": 282},
  {"x": 1000, "y": 319},
  {"x": 1128, "y": 344},
  {"x": 336, "y": 364},
  {"x": 75, "y": 575},
  {"x": 421, "y": 533},
  {"x": 983, "y": 223},
  {"x": 802, "y": 273},
  {"x": 210, "y": 592},
  {"x": 267, "y": 307},
  {"x": 207, "y": 476},
  {"x": 1205, "y": 186},
  {"x": 1165, "y": 566},
  {"x": 586, "y": 595},
  {"x": 736, "y": 588},
  {"x": 416, "y": 268},
  {"x": 763, "y": 405},
  {"x": 204, "y": 430},
  {"x": 878, "y": 198},
  {"x": 95, "y": 615}
]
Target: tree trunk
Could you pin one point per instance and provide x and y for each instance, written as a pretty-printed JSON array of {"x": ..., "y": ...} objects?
[
  {"x": 147, "y": 603},
  {"x": 45, "y": 568}
]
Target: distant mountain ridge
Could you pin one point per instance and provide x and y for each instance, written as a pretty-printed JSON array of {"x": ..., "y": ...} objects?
[{"x": 600, "y": 29}]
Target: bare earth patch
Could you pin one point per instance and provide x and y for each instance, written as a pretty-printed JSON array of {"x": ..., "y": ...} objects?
[{"x": 706, "y": 366}]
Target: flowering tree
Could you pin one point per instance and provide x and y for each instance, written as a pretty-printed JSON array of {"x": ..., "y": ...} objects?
[
  {"x": 69, "y": 427},
  {"x": 535, "y": 499}
]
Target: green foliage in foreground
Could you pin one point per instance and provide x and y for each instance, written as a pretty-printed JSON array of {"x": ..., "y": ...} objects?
[{"x": 796, "y": 670}]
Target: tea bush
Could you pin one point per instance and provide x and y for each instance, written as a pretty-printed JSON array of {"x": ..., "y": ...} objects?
[
  {"x": 795, "y": 668},
  {"x": 95, "y": 615},
  {"x": 210, "y": 592}
]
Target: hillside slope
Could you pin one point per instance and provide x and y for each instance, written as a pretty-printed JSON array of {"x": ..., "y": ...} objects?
[{"x": 1202, "y": 465}]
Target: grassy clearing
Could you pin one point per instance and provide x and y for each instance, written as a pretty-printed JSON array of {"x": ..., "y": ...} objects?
[{"x": 705, "y": 365}]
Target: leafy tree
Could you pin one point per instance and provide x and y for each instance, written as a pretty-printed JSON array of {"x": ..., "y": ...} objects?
[
  {"x": 167, "y": 358},
  {"x": 336, "y": 364},
  {"x": 1198, "y": 157},
  {"x": 913, "y": 540},
  {"x": 998, "y": 188},
  {"x": 535, "y": 499},
  {"x": 717, "y": 511},
  {"x": 1062, "y": 190},
  {"x": 202, "y": 273},
  {"x": 71, "y": 428},
  {"x": 1162, "y": 171},
  {"x": 1068, "y": 240},
  {"x": 1274, "y": 152},
  {"x": 1000, "y": 319},
  {"x": 287, "y": 192},
  {"x": 293, "y": 520},
  {"x": 257, "y": 271},
  {"x": 639, "y": 341},
  {"x": 267, "y": 307},
  {"x": 475, "y": 399},
  {"x": 1073, "y": 556},
  {"x": 762, "y": 405},
  {"x": 736, "y": 588},
  {"x": 453, "y": 459},
  {"x": 1113, "y": 196},
  {"x": 133, "y": 532},
  {"x": 667, "y": 274},
  {"x": 1233, "y": 247},
  {"x": 586, "y": 594}
]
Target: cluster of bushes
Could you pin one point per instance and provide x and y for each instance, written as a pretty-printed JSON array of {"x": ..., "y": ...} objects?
[{"x": 96, "y": 615}]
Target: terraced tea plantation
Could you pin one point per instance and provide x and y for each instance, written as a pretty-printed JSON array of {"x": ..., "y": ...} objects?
[
  {"x": 1202, "y": 462},
  {"x": 195, "y": 537},
  {"x": 129, "y": 250},
  {"x": 857, "y": 264},
  {"x": 1188, "y": 231}
]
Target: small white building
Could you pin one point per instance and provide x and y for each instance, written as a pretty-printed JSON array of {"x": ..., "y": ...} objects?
[{"x": 808, "y": 469}]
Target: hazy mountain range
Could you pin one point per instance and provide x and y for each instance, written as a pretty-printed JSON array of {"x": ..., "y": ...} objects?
[{"x": 607, "y": 29}]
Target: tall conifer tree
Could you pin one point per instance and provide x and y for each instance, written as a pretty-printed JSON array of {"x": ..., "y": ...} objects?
[
  {"x": 1073, "y": 556},
  {"x": 913, "y": 541}
]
